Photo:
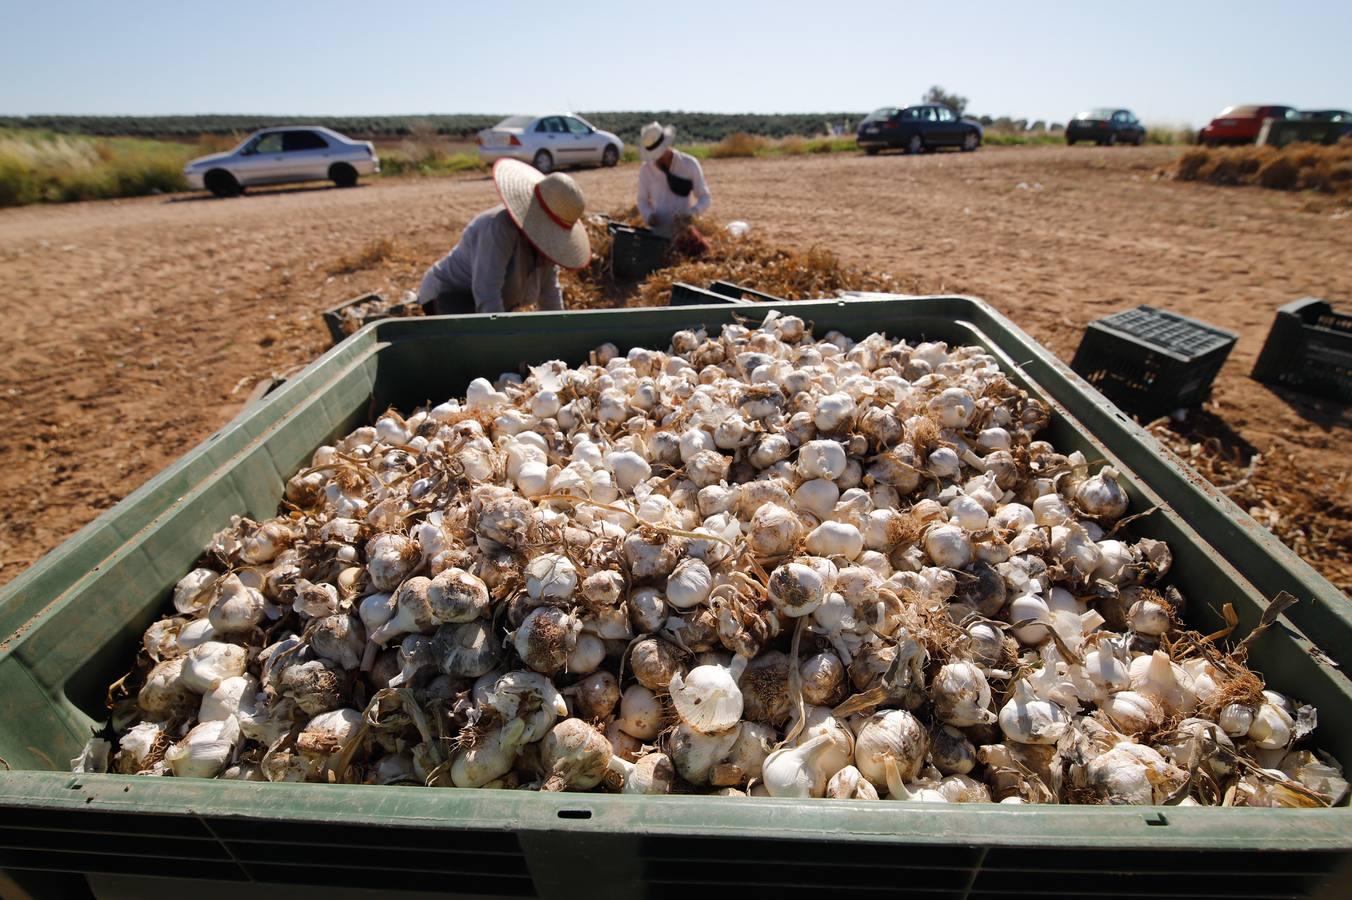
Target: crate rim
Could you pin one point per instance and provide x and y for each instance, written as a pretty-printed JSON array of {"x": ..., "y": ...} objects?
[{"x": 1102, "y": 324}]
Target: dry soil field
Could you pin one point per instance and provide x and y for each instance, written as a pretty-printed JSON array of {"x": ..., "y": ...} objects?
[{"x": 133, "y": 329}]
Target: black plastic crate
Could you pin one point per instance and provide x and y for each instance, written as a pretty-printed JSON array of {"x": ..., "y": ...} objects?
[
  {"x": 737, "y": 291},
  {"x": 350, "y": 315},
  {"x": 1309, "y": 349},
  {"x": 635, "y": 252},
  {"x": 1150, "y": 361}
]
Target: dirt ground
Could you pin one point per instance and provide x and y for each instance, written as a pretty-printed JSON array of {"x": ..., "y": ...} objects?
[{"x": 133, "y": 329}]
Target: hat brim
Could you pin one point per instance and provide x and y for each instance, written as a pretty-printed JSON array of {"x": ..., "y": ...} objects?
[
  {"x": 668, "y": 141},
  {"x": 566, "y": 247}
]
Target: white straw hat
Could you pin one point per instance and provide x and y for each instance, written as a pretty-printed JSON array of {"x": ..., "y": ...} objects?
[
  {"x": 548, "y": 208},
  {"x": 654, "y": 140}
]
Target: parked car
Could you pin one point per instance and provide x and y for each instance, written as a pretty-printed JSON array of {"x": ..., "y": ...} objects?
[
  {"x": 1341, "y": 116},
  {"x": 1106, "y": 126},
  {"x": 280, "y": 155},
  {"x": 916, "y": 129},
  {"x": 1241, "y": 124},
  {"x": 549, "y": 142}
]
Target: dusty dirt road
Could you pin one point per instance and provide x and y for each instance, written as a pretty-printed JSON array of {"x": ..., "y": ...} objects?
[{"x": 133, "y": 329}]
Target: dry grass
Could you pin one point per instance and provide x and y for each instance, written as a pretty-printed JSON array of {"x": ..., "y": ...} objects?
[
  {"x": 740, "y": 144},
  {"x": 1297, "y": 167},
  {"x": 365, "y": 257},
  {"x": 750, "y": 261}
]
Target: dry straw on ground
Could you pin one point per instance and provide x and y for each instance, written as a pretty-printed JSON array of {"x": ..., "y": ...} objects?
[
  {"x": 748, "y": 260},
  {"x": 1295, "y": 167}
]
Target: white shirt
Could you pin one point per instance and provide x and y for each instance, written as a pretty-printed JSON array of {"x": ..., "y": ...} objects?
[{"x": 656, "y": 202}]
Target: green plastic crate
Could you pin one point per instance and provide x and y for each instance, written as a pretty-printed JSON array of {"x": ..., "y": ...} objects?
[{"x": 69, "y": 625}]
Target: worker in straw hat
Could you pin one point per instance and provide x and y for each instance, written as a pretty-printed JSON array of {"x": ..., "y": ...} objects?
[
  {"x": 509, "y": 256},
  {"x": 671, "y": 185}
]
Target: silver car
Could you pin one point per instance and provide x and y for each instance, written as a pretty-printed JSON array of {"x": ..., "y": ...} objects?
[
  {"x": 278, "y": 155},
  {"x": 549, "y": 142}
]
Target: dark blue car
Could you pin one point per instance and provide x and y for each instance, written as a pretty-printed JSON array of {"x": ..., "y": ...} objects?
[{"x": 916, "y": 129}]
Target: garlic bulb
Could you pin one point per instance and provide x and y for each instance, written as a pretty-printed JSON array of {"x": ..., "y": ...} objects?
[
  {"x": 823, "y": 679},
  {"x": 961, "y": 695},
  {"x": 237, "y": 608},
  {"x": 165, "y": 693},
  {"x": 835, "y": 539},
  {"x": 689, "y": 584},
  {"x": 849, "y": 784},
  {"x": 192, "y": 592},
  {"x": 233, "y": 696},
  {"x": 546, "y": 638},
  {"x": 139, "y": 748},
  {"x": 708, "y": 699},
  {"x": 773, "y": 531},
  {"x": 948, "y": 546},
  {"x": 550, "y": 576},
  {"x": 1273, "y": 727},
  {"x": 796, "y": 589},
  {"x": 1101, "y": 496},
  {"x": 695, "y": 754},
  {"x": 491, "y": 756},
  {"x": 574, "y": 756},
  {"x": 1167, "y": 682},
  {"x": 597, "y": 695},
  {"x": 204, "y": 750},
  {"x": 1132, "y": 712},
  {"x": 389, "y": 560},
  {"x": 1029, "y": 720},
  {"x": 951, "y": 752},
  {"x": 654, "y": 663},
  {"x": 650, "y": 774},
  {"x": 794, "y": 771},
  {"x": 207, "y": 665},
  {"x": 1134, "y": 774},
  {"x": 894, "y": 736}
]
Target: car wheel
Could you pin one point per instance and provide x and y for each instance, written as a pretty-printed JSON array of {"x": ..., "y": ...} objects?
[
  {"x": 1070, "y": 142},
  {"x": 221, "y": 183},
  {"x": 543, "y": 161},
  {"x": 611, "y": 156},
  {"x": 915, "y": 145},
  {"x": 1111, "y": 140},
  {"x": 970, "y": 142},
  {"x": 873, "y": 151},
  {"x": 343, "y": 175}
]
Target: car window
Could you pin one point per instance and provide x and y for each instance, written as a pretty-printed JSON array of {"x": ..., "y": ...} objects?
[
  {"x": 928, "y": 114},
  {"x": 576, "y": 126},
  {"x": 542, "y": 126},
  {"x": 878, "y": 115},
  {"x": 551, "y": 125},
  {"x": 269, "y": 143},
  {"x": 522, "y": 122},
  {"x": 294, "y": 141},
  {"x": 910, "y": 115},
  {"x": 945, "y": 115}
]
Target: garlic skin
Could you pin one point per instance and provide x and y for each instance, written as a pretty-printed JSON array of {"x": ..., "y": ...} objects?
[
  {"x": 1273, "y": 727},
  {"x": 550, "y": 576},
  {"x": 951, "y": 751},
  {"x": 1026, "y": 719},
  {"x": 165, "y": 693},
  {"x": 389, "y": 560},
  {"x": 794, "y": 772},
  {"x": 894, "y": 736},
  {"x": 138, "y": 748},
  {"x": 797, "y": 589},
  {"x": 708, "y": 699},
  {"x": 773, "y": 531},
  {"x": 233, "y": 696},
  {"x": 948, "y": 546},
  {"x": 1132, "y": 712},
  {"x": 546, "y": 638},
  {"x": 641, "y": 713},
  {"x": 597, "y": 695}
]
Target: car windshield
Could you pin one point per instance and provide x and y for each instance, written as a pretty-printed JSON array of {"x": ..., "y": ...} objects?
[
  {"x": 515, "y": 122},
  {"x": 1100, "y": 113},
  {"x": 1239, "y": 112},
  {"x": 1285, "y": 112},
  {"x": 878, "y": 115}
]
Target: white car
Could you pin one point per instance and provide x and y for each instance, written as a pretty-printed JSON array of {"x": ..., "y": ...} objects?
[
  {"x": 549, "y": 142},
  {"x": 278, "y": 155}
]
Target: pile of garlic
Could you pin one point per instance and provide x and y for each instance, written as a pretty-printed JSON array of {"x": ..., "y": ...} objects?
[{"x": 754, "y": 564}]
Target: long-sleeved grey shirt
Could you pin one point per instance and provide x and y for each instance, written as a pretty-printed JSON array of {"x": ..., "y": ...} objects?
[{"x": 498, "y": 265}]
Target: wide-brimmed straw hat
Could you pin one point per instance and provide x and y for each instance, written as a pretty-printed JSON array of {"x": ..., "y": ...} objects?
[
  {"x": 654, "y": 140},
  {"x": 548, "y": 209}
]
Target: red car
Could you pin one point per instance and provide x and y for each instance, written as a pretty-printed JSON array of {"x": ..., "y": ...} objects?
[{"x": 1241, "y": 124}]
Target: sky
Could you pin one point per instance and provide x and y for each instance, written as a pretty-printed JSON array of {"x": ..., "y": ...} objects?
[{"x": 1173, "y": 63}]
